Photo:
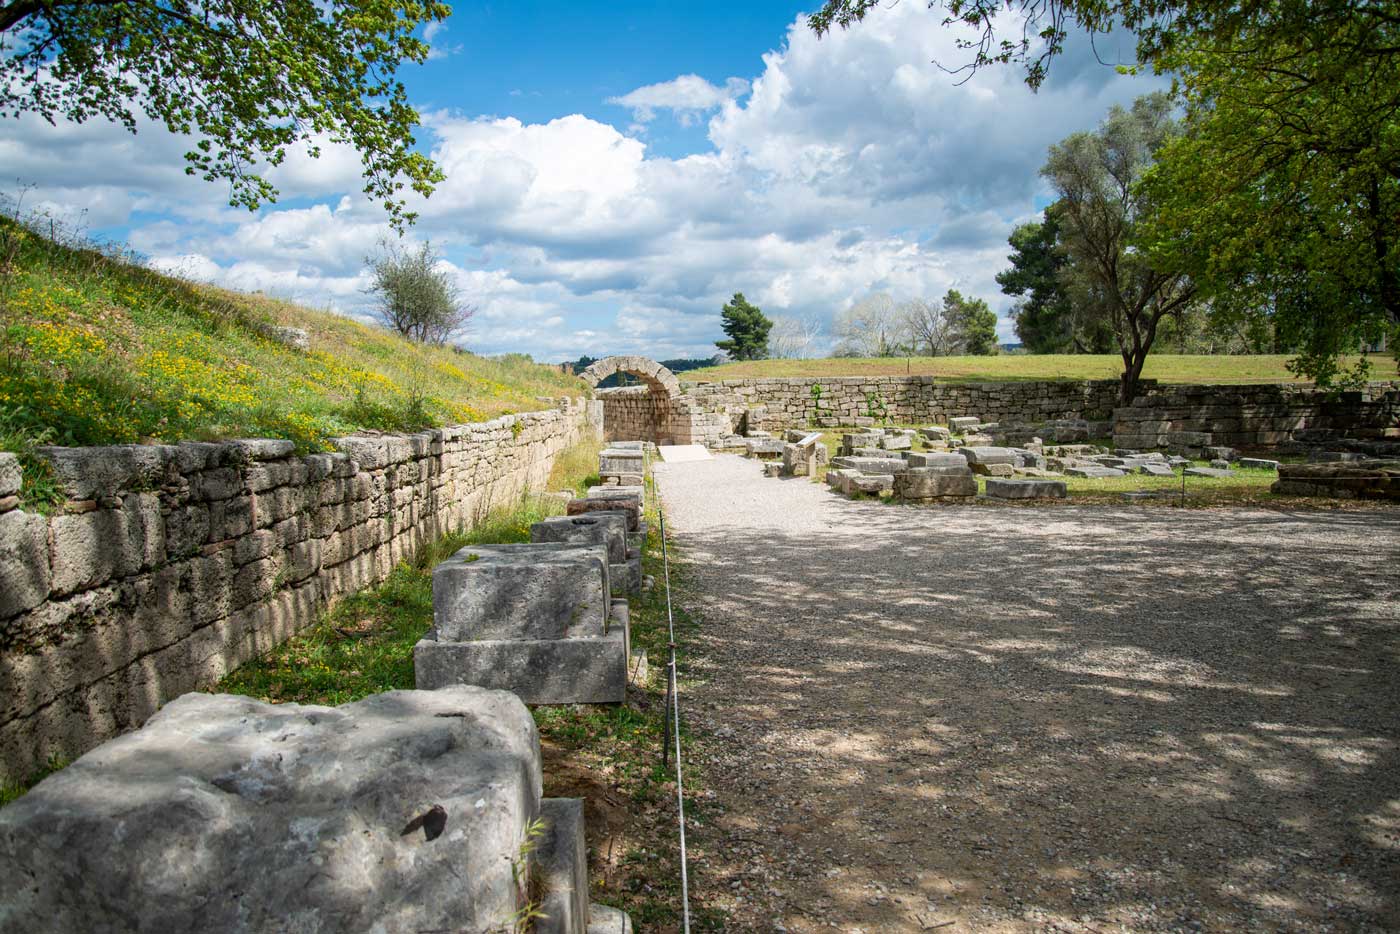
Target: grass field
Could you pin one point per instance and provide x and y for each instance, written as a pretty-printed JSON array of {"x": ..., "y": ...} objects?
[
  {"x": 1167, "y": 368},
  {"x": 100, "y": 350}
]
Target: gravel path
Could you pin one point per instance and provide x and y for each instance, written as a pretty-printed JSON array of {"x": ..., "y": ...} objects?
[{"x": 1050, "y": 719}]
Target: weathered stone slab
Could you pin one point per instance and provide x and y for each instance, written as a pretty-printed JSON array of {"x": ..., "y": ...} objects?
[
  {"x": 1216, "y": 472},
  {"x": 614, "y": 461},
  {"x": 544, "y": 591},
  {"x": 1258, "y": 463},
  {"x": 963, "y": 423},
  {"x": 764, "y": 447},
  {"x": 936, "y": 433},
  {"x": 1093, "y": 471},
  {"x": 925, "y": 483},
  {"x": 227, "y": 814},
  {"x": 990, "y": 455},
  {"x": 1151, "y": 469},
  {"x": 608, "y": 529},
  {"x": 627, "y": 506},
  {"x": 896, "y": 442},
  {"x": 872, "y": 484},
  {"x": 540, "y": 671},
  {"x": 10, "y": 475},
  {"x": 24, "y": 562},
  {"x": 943, "y": 459},
  {"x": 871, "y": 466},
  {"x": 863, "y": 439},
  {"x": 1026, "y": 489}
]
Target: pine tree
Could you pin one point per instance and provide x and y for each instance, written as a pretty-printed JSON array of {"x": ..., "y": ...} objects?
[{"x": 747, "y": 328}]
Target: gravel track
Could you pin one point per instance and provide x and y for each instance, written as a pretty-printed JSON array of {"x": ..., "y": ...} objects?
[{"x": 1057, "y": 718}]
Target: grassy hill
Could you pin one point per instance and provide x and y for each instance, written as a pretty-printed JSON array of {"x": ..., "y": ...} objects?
[
  {"x": 1168, "y": 368},
  {"x": 100, "y": 350}
]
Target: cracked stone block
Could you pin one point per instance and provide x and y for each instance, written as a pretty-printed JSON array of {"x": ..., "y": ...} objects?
[
  {"x": 924, "y": 483},
  {"x": 227, "y": 814},
  {"x": 600, "y": 528},
  {"x": 1026, "y": 489},
  {"x": 590, "y": 670},
  {"x": 535, "y": 591}
]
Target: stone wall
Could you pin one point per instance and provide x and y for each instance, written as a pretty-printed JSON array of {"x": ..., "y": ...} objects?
[
  {"x": 636, "y": 413},
  {"x": 1272, "y": 415},
  {"x": 777, "y": 404},
  {"x": 171, "y": 565}
]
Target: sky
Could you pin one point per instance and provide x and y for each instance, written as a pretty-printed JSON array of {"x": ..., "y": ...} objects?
[{"x": 616, "y": 172}]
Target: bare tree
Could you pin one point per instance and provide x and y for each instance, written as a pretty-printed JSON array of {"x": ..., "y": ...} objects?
[
  {"x": 792, "y": 338},
  {"x": 416, "y": 298},
  {"x": 930, "y": 330},
  {"x": 873, "y": 327}
]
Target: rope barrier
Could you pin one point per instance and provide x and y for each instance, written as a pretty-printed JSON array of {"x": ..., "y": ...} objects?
[{"x": 673, "y": 699}]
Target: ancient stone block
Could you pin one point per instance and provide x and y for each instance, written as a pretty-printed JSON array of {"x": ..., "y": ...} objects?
[
  {"x": 896, "y": 442},
  {"x": 10, "y": 475},
  {"x": 1256, "y": 463},
  {"x": 1093, "y": 471},
  {"x": 963, "y": 423},
  {"x": 936, "y": 433},
  {"x": 1026, "y": 489},
  {"x": 628, "y": 507},
  {"x": 995, "y": 470},
  {"x": 872, "y": 466},
  {"x": 591, "y": 670},
  {"x": 936, "y": 459},
  {"x": 925, "y": 483},
  {"x": 1208, "y": 472},
  {"x": 537, "y": 591},
  {"x": 983, "y": 456},
  {"x": 403, "y": 811},
  {"x": 608, "y": 529},
  {"x": 615, "y": 461},
  {"x": 24, "y": 562}
]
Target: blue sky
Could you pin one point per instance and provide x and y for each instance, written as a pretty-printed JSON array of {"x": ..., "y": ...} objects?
[{"x": 616, "y": 172}]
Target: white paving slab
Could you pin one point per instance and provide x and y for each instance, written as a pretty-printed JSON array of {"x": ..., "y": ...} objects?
[{"x": 680, "y": 453}]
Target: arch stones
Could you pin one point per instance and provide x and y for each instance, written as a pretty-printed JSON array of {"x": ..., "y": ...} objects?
[{"x": 659, "y": 379}]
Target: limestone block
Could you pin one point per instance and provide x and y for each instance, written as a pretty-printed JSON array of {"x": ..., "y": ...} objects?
[
  {"x": 1026, "y": 489},
  {"x": 924, "y": 483},
  {"x": 1256, "y": 463},
  {"x": 1151, "y": 469},
  {"x": 227, "y": 814},
  {"x": 1208, "y": 472},
  {"x": 936, "y": 459},
  {"x": 627, "y": 507},
  {"x": 977, "y": 455},
  {"x": 536, "y": 591},
  {"x": 896, "y": 442},
  {"x": 10, "y": 474},
  {"x": 561, "y": 860},
  {"x": 872, "y": 466},
  {"x": 24, "y": 562},
  {"x": 608, "y": 529},
  {"x": 871, "y": 484},
  {"x": 864, "y": 439},
  {"x": 590, "y": 670},
  {"x": 936, "y": 433},
  {"x": 963, "y": 423},
  {"x": 615, "y": 461},
  {"x": 995, "y": 470},
  {"x": 1093, "y": 471}
]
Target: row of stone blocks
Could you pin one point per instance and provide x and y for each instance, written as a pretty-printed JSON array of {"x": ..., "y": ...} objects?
[{"x": 411, "y": 810}]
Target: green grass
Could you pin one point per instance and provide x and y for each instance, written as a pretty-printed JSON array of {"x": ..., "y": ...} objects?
[
  {"x": 1167, "y": 368},
  {"x": 98, "y": 349}
]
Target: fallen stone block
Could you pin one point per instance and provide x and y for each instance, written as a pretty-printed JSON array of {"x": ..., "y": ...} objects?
[
  {"x": 1152, "y": 469},
  {"x": 1026, "y": 489},
  {"x": 773, "y": 469},
  {"x": 628, "y": 507},
  {"x": 926, "y": 483},
  {"x": 608, "y": 529},
  {"x": 864, "y": 439},
  {"x": 869, "y": 452},
  {"x": 591, "y": 670},
  {"x": 936, "y": 459},
  {"x": 545, "y": 591},
  {"x": 963, "y": 423},
  {"x": 896, "y": 442},
  {"x": 936, "y": 433},
  {"x": 1093, "y": 471},
  {"x": 404, "y": 811},
  {"x": 764, "y": 447},
  {"x": 1208, "y": 472},
  {"x": 989, "y": 455},
  {"x": 1258, "y": 463},
  {"x": 873, "y": 484},
  {"x": 615, "y": 461},
  {"x": 872, "y": 465}
]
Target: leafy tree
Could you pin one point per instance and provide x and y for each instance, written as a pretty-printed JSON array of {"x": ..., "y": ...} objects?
[
  {"x": 873, "y": 327},
  {"x": 1282, "y": 198},
  {"x": 416, "y": 298},
  {"x": 1047, "y": 321},
  {"x": 246, "y": 78},
  {"x": 973, "y": 323},
  {"x": 747, "y": 328},
  {"x": 1097, "y": 176}
]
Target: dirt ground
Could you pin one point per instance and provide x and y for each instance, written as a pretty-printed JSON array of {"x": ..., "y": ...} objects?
[{"x": 1040, "y": 719}]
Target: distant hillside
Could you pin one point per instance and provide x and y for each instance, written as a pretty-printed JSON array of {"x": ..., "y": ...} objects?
[
  {"x": 99, "y": 350},
  {"x": 1167, "y": 368}
]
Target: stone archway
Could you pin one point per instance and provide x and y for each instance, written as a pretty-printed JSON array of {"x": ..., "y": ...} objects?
[
  {"x": 651, "y": 412},
  {"x": 658, "y": 379}
]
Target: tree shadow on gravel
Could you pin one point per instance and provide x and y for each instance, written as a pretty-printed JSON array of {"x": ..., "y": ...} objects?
[{"x": 1053, "y": 718}]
